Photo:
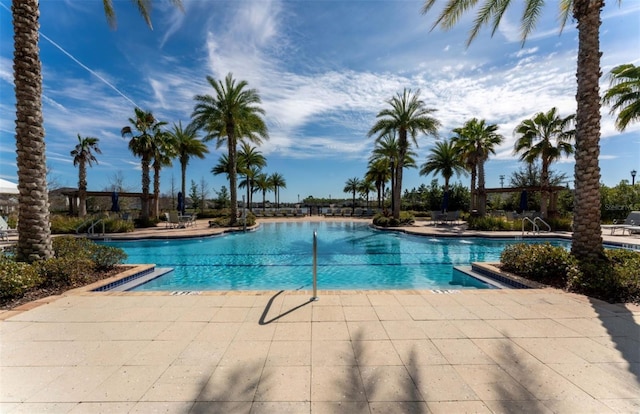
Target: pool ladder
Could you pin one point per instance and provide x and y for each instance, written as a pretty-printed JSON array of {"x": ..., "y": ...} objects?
[
  {"x": 315, "y": 266},
  {"x": 536, "y": 228}
]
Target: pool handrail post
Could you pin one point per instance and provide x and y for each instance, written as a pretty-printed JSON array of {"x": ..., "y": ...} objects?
[{"x": 315, "y": 266}]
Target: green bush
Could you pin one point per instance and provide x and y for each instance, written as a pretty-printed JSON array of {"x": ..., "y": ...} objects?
[
  {"x": 106, "y": 257},
  {"x": 614, "y": 279},
  {"x": 384, "y": 219},
  {"x": 17, "y": 278},
  {"x": 489, "y": 223},
  {"x": 66, "y": 271},
  {"x": 61, "y": 224},
  {"x": 542, "y": 263}
]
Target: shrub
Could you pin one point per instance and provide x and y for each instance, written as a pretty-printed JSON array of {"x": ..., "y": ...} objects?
[
  {"x": 614, "y": 279},
  {"x": 106, "y": 257},
  {"x": 61, "y": 224},
  {"x": 66, "y": 271},
  {"x": 384, "y": 219},
  {"x": 542, "y": 263},
  {"x": 17, "y": 278},
  {"x": 489, "y": 223}
]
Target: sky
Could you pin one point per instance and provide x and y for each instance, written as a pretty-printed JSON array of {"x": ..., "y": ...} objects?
[{"x": 323, "y": 69}]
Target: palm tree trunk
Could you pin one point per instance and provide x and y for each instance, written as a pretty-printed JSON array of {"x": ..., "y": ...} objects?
[
  {"x": 481, "y": 196},
  {"x": 144, "y": 213},
  {"x": 82, "y": 189},
  {"x": 183, "y": 167},
  {"x": 587, "y": 233},
  {"x": 474, "y": 201},
  {"x": 231, "y": 142},
  {"x": 156, "y": 191},
  {"x": 34, "y": 228},
  {"x": 544, "y": 191}
]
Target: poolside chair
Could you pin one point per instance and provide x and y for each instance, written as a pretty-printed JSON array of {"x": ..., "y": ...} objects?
[
  {"x": 452, "y": 216},
  {"x": 174, "y": 220},
  {"x": 437, "y": 217},
  {"x": 5, "y": 230},
  {"x": 632, "y": 220}
]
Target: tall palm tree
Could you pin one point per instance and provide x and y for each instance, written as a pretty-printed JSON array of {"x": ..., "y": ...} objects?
[
  {"x": 187, "y": 145},
  {"x": 624, "y": 94},
  {"x": 277, "y": 182},
  {"x": 408, "y": 116},
  {"x": 445, "y": 160},
  {"x": 587, "y": 233},
  {"x": 378, "y": 172},
  {"x": 365, "y": 188},
  {"x": 263, "y": 184},
  {"x": 475, "y": 141},
  {"x": 83, "y": 155},
  {"x": 164, "y": 151},
  {"x": 250, "y": 161},
  {"x": 34, "y": 227},
  {"x": 141, "y": 144},
  {"x": 351, "y": 186},
  {"x": 232, "y": 114},
  {"x": 222, "y": 167},
  {"x": 535, "y": 141},
  {"x": 387, "y": 148}
]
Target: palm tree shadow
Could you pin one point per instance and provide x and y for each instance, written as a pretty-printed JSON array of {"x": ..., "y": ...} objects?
[{"x": 623, "y": 330}]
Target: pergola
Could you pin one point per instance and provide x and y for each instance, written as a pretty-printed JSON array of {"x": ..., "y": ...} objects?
[
  {"x": 553, "y": 194},
  {"x": 73, "y": 195}
]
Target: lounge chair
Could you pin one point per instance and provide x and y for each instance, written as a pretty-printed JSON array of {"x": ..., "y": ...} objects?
[
  {"x": 437, "y": 217},
  {"x": 452, "y": 217},
  {"x": 632, "y": 220},
  {"x": 5, "y": 230},
  {"x": 174, "y": 220}
]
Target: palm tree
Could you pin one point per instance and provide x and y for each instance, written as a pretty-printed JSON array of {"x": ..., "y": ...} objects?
[
  {"x": 445, "y": 160},
  {"x": 535, "y": 142},
  {"x": 387, "y": 148},
  {"x": 474, "y": 142},
  {"x": 408, "y": 116},
  {"x": 34, "y": 228},
  {"x": 187, "y": 145},
  {"x": 624, "y": 94},
  {"x": 263, "y": 184},
  {"x": 365, "y": 188},
  {"x": 587, "y": 233},
  {"x": 83, "y": 155},
  {"x": 379, "y": 173},
  {"x": 143, "y": 145},
  {"x": 351, "y": 186},
  {"x": 250, "y": 161},
  {"x": 277, "y": 182},
  {"x": 164, "y": 152},
  {"x": 231, "y": 115}
]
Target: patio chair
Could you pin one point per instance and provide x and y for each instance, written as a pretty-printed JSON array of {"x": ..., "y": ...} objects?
[
  {"x": 174, "y": 220},
  {"x": 437, "y": 217},
  {"x": 5, "y": 230},
  {"x": 632, "y": 220}
]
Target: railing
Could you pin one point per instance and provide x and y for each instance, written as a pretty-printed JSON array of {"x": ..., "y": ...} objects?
[
  {"x": 91, "y": 229},
  {"x": 536, "y": 228},
  {"x": 315, "y": 266}
]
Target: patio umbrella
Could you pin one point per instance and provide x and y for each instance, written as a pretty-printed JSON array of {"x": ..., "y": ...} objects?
[
  {"x": 115, "y": 206},
  {"x": 523, "y": 200},
  {"x": 445, "y": 201},
  {"x": 180, "y": 202}
]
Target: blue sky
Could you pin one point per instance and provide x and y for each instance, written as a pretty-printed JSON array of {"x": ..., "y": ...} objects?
[{"x": 324, "y": 69}]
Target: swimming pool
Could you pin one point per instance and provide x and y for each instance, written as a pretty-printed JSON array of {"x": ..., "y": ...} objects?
[{"x": 279, "y": 256}]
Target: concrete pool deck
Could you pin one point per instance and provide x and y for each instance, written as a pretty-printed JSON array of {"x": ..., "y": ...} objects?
[{"x": 537, "y": 350}]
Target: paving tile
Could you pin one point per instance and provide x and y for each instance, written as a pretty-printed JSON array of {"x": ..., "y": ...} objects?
[
  {"x": 441, "y": 383},
  {"x": 548, "y": 328},
  {"x": 486, "y": 312},
  {"x": 159, "y": 353},
  {"x": 476, "y": 329},
  {"x": 389, "y": 383},
  {"x": 509, "y": 407},
  {"x": 383, "y": 300},
  {"x": 336, "y": 331},
  {"x": 375, "y": 353},
  {"x": 325, "y": 353},
  {"x": 337, "y": 383},
  {"x": 246, "y": 352},
  {"x": 289, "y": 353},
  {"x": 206, "y": 354},
  {"x": 168, "y": 407},
  {"x": 490, "y": 382},
  {"x": 360, "y": 313},
  {"x": 399, "y": 407},
  {"x": 441, "y": 329},
  {"x": 103, "y": 407},
  {"x": 461, "y": 351},
  {"x": 548, "y": 350},
  {"x": 292, "y": 331},
  {"x": 266, "y": 407},
  {"x": 354, "y": 300},
  {"x": 446, "y": 407},
  {"x": 232, "y": 383},
  {"x": 48, "y": 407},
  {"x": 218, "y": 331},
  {"x": 577, "y": 405},
  {"x": 328, "y": 407},
  {"x": 411, "y": 300},
  {"x": 240, "y": 301},
  {"x": 251, "y": 331},
  {"x": 514, "y": 328},
  {"x": 235, "y": 407},
  {"x": 631, "y": 405},
  {"x": 518, "y": 311},
  {"x": 230, "y": 314},
  {"x": 26, "y": 381},
  {"x": 127, "y": 383},
  {"x": 596, "y": 382},
  {"x": 366, "y": 330},
  {"x": 392, "y": 313},
  {"x": 284, "y": 384},
  {"x": 327, "y": 313},
  {"x": 183, "y": 330},
  {"x": 424, "y": 313},
  {"x": 327, "y": 300},
  {"x": 590, "y": 350},
  {"x": 404, "y": 329},
  {"x": 74, "y": 384},
  {"x": 418, "y": 352}
]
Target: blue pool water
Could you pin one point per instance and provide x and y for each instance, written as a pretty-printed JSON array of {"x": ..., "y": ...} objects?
[{"x": 279, "y": 256}]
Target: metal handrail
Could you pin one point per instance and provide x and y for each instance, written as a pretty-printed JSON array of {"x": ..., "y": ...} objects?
[
  {"x": 543, "y": 222},
  {"x": 535, "y": 230},
  {"x": 93, "y": 225},
  {"x": 83, "y": 224},
  {"x": 315, "y": 266}
]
